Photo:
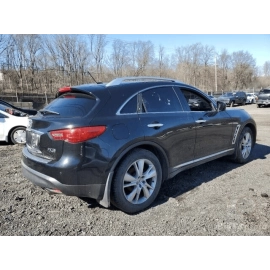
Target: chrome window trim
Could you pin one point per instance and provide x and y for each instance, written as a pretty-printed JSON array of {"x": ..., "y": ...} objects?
[
  {"x": 146, "y": 89},
  {"x": 123, "y": 105}
]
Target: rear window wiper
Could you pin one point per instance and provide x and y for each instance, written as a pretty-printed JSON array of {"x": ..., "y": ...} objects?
[{"x": 45, "y": 112}]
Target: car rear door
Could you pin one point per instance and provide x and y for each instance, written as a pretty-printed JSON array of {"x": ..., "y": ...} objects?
[{"x": 166, "y": 123}]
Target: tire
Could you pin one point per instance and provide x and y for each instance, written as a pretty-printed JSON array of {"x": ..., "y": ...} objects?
[
  {"x": 244, "y": 146},
  {"x": 18, "y": 135},
  {"x": 132, "y": 191},
  {"x": 244, "y": 103},
  {"x": 259, "y": 106}
]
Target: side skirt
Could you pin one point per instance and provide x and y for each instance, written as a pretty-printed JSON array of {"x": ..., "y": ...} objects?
[{"x": 185, "y": 166}]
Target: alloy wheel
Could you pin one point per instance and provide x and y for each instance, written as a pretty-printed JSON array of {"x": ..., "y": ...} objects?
[
  {"x": 246, "y": 144},
  {"x": 139, "y": 181}
]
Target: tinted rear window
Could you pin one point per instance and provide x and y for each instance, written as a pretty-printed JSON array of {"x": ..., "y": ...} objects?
[{"x": 72, "y": 105}]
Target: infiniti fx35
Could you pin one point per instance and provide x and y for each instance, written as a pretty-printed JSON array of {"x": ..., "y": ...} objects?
[{"x": 117, "y": 142}]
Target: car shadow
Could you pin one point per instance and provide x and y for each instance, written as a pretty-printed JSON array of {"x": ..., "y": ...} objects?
[
  {"x": 5, "y": 143},
  {"x": 192, "y": 178}
]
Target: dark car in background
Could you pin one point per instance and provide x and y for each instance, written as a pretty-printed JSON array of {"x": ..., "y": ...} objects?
[
  {"x": 263, "y": 98},
  {"x": 117, "y": 142},
  {"x": 27, "y": 111},
  {"x": 231, "y": 99}
]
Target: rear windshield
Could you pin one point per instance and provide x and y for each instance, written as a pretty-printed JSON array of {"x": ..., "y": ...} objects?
[
  {"x": 72, "y": 105},
  {"x": 265, "y": 91}
]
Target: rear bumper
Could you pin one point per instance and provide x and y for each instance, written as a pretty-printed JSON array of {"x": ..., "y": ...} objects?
[{"x": 95, "y": 191}]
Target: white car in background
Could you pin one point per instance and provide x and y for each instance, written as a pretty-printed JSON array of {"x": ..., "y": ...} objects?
[
  {"x": 13, "y": 124},
  {"x": 251, "y": 98}
]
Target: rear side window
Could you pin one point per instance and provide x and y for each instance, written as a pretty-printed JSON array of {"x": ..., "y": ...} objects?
[
  {"x": 131, "y": 106},
  {"x": 161, "y": 99},
  {"x": 72, "y": 105}
]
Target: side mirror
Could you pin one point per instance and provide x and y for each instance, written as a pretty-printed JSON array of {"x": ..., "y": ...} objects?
[{"x": 221, "y": 106}]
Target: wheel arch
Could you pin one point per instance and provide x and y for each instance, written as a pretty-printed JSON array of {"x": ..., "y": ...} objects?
[
  {"x": 254, "y": 131},
  {"x": 150, "y": 146}
]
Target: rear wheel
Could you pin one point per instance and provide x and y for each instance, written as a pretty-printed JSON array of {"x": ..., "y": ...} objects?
[
  {"x": 137, "y": 181},
  {"x": 244, "y": 146},
  {"x": 18, "y": 135}
]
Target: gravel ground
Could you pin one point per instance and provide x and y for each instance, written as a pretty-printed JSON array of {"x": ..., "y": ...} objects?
[{"x": 219, "y": 198}]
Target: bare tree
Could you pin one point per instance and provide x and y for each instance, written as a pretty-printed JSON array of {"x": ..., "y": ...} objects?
[
  {"x": 97, "y": 50},
  {"x": 163, "y": 61},
  {"x": 142, "y": 55},
  {"x": 224, "y": 61},
  {"x": 208, "y": 53},
  {"x": 243, "y": 65},
  {"x": 266, "y": 68},
  {"x": 68, "y": 54},
  {"x": 189, "y": 62},
  {"x": 119, "y": 57}
]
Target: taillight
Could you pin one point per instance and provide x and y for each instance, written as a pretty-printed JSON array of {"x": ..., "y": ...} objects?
[
  {"x": 77, "y": 135},
  {"x": 64, "y": 89}
]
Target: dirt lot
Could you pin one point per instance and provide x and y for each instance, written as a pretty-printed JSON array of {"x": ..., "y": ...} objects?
[{"x": 218, "y": 198}]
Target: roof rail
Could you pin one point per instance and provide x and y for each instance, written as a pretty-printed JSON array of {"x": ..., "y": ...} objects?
[{"x": 122, "y": 80}]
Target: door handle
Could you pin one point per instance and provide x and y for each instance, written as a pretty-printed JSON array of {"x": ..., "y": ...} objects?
[
  {"x": 200, "y": 121},
  {"x": 155, "y": 125}
]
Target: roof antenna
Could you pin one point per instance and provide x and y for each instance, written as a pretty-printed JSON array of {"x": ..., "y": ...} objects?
[{"x": 92, "y": 77}]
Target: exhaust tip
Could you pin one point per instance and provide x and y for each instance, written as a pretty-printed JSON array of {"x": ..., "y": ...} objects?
[{"x": 53, "y": 191}]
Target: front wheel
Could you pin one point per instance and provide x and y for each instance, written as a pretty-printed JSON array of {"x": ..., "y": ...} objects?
[
  {"x": 18, "y": 135},
  {"x": 137, "y": 181},
  {"x": 244, "y": 146}
]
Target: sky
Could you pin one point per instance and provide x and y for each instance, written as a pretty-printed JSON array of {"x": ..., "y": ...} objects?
[
  {"x": 232, "y": 25},
  {"x": 258, "y": 45}
]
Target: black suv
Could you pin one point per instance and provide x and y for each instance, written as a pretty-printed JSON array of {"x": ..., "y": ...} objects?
[
  {"x": 231, "y": 99},
  {"x": 118, "y": 142},
  {"x": 263, "y": 98}
]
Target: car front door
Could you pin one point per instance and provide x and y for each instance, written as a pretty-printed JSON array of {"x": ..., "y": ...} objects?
[{"x": 213, "y": 128}]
